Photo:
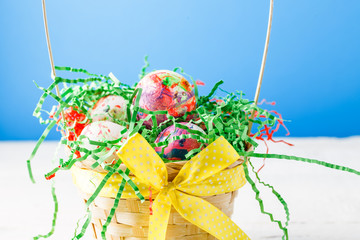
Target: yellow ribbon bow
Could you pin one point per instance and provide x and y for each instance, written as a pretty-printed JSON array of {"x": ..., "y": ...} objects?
[{"x": 203, "y": 175}]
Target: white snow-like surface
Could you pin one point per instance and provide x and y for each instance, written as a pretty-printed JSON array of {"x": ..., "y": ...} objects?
[{"x": 324, "y": 203}]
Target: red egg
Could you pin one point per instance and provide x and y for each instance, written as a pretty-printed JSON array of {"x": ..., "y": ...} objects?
[{"x": 75, "y": 121}]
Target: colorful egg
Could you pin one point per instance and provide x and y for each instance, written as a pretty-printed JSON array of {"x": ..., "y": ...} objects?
[
  {"x": 177, "y": 149},
  {"x": 101, "y": 131},
  {"x": 109, "y": 108},
  {"x": 75, "y": 122},
  {"x": 165, "y": 90}
]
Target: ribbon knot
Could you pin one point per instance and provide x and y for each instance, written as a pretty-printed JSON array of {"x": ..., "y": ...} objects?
[
  {"x": 168, "y": 187},
  {"x": 206, "y": 174}
]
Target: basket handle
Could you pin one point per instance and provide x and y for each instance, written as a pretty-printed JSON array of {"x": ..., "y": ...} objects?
[
  {"x": 261, "y": 74},
  {"x": 53, "y": 73}
]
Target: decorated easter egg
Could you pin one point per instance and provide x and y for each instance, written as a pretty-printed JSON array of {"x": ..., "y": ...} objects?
[
  {"x": 177, "y": 149},
  {"x": 100, "y": 132},
  {"x": 75, "y": 122},
  {"x": 109, "y": 108},
  {"x": 165, "y": 90}
]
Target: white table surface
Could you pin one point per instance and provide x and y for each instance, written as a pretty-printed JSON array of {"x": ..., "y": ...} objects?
[{"x": 324, "y": 203}]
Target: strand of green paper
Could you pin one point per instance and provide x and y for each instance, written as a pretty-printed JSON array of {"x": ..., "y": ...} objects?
[
  {"x": 261, "y": 203},
  {"x": 116, "y": 204},
  {"x": 56, "y": 203},
  {"x": 143, "y": 69},
  {"x": 88, "y": 215},
  {"x": 307, "y": 160},
  {"x": 279, "y": 197},
  {"x": 40, "y": 103},
  {"x": 56, "y": 209},
  {"x": 91, "y": 199},
  {"x": 129, "y": 181},
  {"x": 80, "y": 70},
  {"x": 39, "y": 142}
]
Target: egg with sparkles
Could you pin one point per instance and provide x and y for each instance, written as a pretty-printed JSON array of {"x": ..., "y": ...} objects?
[
  {"x": 75, "y": 122},
  {"x": 165, "y": 90},
  {"x": 111, "y": 108},
  {"x": 100, "y": 132},
  {"x": 176, "y": 150}
]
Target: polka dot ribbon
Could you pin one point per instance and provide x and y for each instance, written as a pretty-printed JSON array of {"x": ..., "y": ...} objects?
[{"x": 203, "y": 175}]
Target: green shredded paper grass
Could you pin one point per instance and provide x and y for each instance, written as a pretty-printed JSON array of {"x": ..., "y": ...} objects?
[{"x": 227, "y": 116}]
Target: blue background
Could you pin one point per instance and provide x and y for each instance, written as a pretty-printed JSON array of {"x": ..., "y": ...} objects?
[{"x": 312, "y": 70}]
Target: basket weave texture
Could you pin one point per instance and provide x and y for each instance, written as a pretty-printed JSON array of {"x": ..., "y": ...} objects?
[{"x": 131, "y": 219}]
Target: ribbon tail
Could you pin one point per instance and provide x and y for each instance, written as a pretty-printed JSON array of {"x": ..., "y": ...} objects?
[
  {"x": 160, "y": 218},
  {"x": 207, "y": 217}
]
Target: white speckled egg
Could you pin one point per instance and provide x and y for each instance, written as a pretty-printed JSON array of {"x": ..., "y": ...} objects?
[
  {"x": 101, "y": 131},
  {"x": 109, "y": 108}
]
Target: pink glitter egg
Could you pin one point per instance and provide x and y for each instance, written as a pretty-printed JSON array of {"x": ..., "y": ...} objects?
[
  {"x": 165, "y": 90},
  {"x": 177, "y": 149}
]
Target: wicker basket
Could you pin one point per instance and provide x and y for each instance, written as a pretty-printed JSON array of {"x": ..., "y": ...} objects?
[{"x": 131, "y": 219}]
